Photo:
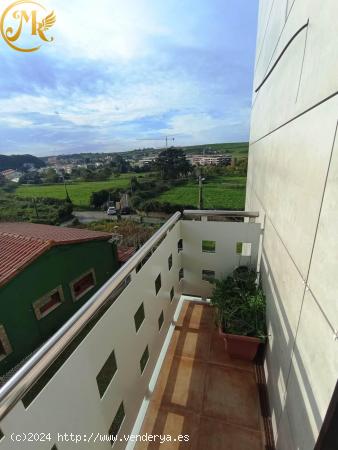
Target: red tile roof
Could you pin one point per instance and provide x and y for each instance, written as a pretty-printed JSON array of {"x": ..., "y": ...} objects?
[
  {"x": 22, "y": 242},
  {"x": 125, "y": 253}
]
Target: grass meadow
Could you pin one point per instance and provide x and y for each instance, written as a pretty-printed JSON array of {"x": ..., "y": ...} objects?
[
  {"x": 79, "y": 192},
  {"x": 223, "y": 192}
]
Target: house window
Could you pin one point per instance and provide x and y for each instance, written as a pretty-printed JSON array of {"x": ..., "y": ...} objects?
[
  {"x": 208, "y": 275},
  {"x": 106, "y": 374},
  {"x": 180, "y": 245},
  {"x": 172, "y": 294},
  {"x": 170, "y": 262},
  {"x": 208, "y": 246},
  {"x": 144, "y": 359},
  {"x": 139, "y": 317},
  {"x": 181, "y": 274},
  {"x": 158, "y": 284},
  {"x": 117, "y": 422},
  {"x": 48, "y": 302},
  {"x": 5, "y": 346},
  {"x": 83, "y": 284},
  {"x": 243, "y": 248},
  {"x": 160, "y": 320}
]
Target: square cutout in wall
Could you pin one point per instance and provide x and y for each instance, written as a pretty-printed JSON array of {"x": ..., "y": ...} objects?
[
  {"x": 158, "y": 284},
  {"x": 208, "y": 246},
  {"x": 139, "y": 317},
  {"x": 160, "y": 320},
  {"x": 117, "y": 422},
  {"x": 144, "y": 359},
  {"x": 106, "y": 374},
  {"x": 243, "y": 248},
  {"x": 170, "y": 262},
  {"x": 208, "y": 275}
]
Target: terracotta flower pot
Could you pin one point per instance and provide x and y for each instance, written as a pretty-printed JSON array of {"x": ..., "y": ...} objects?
[{"x": 241, "y": 347}]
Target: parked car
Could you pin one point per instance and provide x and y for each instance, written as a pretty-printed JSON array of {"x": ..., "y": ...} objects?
[
  {"x": 111, "y": 211},
  {"x": 126, "y": 210}
]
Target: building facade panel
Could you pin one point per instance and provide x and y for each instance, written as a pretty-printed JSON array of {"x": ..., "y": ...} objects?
[{"x": 292, "y": 182}]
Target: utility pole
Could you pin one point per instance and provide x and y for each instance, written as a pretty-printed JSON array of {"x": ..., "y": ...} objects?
[
  {"x": 167, "y": 139},
  {"x": 200, "y": 190},
  {"x": 67, "y": 195}
]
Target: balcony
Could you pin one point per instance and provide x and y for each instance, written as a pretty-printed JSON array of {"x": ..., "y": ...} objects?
[
  {"x": 201, "y": 392},
  {"x": 143, "y": 355}
]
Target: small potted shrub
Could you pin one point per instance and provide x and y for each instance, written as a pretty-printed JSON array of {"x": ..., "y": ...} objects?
[{"x": 240, "y": 306}]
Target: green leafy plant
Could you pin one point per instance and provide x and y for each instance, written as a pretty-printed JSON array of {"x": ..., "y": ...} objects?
[{"x": 240, "y": 304}]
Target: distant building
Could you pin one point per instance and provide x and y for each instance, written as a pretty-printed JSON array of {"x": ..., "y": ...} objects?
[
  {"x": 52, "y": 160},
  {"x": 209, "y": 160},
  {"x": 146, "y": 161},
  {"x": 12, "y": 175},
  {"x": 68, "y": 168},
  {"x": 46, "y": 274}
]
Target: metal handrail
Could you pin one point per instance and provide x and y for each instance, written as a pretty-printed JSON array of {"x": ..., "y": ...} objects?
[
  {"x": 219, "y": 212},
  {"x": 36, "y": 366}
]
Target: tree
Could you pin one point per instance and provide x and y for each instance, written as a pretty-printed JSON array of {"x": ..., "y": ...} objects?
[
  {"x": 100, "y": 198},
  {"x": 30, "y": 178},
  {"x": 172, "y": 163},
  {"x": 2, "y": 180},
  {"x": 120, "y": 165},
  {"x": 50, "y": 176},
  {"x": 134, "y": 184}
]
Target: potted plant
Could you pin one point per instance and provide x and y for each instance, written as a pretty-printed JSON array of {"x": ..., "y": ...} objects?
[{"x": 240, "y": 308}]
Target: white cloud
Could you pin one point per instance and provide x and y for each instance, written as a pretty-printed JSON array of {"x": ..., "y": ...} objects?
[
  {"x": 14, "y": 122},
  {"x": 148, "y": 69},
  {"x": 107, "y": 29}
]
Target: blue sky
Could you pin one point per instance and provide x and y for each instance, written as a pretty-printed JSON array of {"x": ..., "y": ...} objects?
[{"x": 123, "y": 70}]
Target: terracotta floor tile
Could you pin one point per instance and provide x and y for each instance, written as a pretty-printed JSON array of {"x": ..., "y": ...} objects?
[
  {"x": 232, "y": 395},
  {"x": 183, "y": 317},
  {"x": 218, "y": 355},
  {"x": 217, "y": 435},
  {"x": 202, "y": 392},
  {"x": 197, "y": 316},
  {"x": 191, "y": 344},
  {"x": 169, "y": 422},
  {"x": 183, "y": 385}
]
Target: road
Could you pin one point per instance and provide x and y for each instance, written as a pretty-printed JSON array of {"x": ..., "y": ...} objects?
[{"x": 94, "y": 216}]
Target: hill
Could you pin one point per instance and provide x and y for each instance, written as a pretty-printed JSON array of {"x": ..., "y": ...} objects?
[
  {"x": 238, "y": 149},
  {"x": 17, "y": 161}
]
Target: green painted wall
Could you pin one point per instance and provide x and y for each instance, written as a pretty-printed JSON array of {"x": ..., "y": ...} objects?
[{"x": 59, "y": 266}]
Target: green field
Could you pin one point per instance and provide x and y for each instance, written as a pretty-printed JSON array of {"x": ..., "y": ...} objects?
[
  {"x": 181, "y": 195},
  {"x": 78, "y": 192},
  {"x": 223, "y": 192}
]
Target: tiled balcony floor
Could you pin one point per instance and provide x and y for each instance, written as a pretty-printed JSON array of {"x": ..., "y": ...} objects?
[{"x": 203, "y": 393}]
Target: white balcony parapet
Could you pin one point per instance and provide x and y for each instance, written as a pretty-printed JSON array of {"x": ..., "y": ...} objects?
[
  {"x": 69, "y": 399},
  {"x": 220, "y": 212},
  {"x": 16, "y": 387}
]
